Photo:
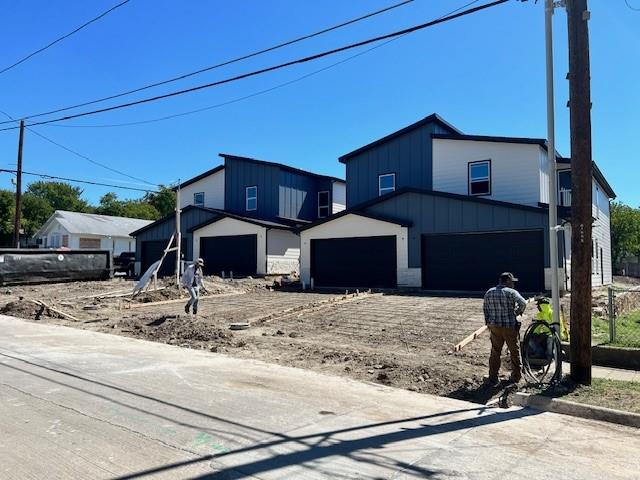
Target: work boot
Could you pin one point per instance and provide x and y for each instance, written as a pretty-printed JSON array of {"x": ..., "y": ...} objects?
[
  {"x": 186, "y": 308},
  {"x": 195, "y": 311},
  {"x": 492, "y": 382}
]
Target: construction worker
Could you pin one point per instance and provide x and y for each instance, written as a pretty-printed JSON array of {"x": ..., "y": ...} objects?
[
  {"x": 192, "y": 280},
  {"x": 502, "y": 304}
]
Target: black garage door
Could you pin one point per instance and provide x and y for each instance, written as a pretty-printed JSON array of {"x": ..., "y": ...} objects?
[
  {"x": 235, "y": 253},
  {"x": 152, "y": 251},
  {"x": 473, "y": 262},
  {"x": 354, "y": 262}
]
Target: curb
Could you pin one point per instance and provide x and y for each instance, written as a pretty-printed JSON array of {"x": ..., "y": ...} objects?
[{"x": 574, "y": 409}]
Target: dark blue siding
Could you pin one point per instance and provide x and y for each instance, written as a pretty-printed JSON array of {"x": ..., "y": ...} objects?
[
  {"x": 164, "y": 229},
  {"x": 432, "y": 214},
  {"x": 409, "y": 156},
  {"x": 282, "y": 193}
]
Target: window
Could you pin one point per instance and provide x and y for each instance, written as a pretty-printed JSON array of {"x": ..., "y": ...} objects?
[
  {"x": 323, "y": 204},
  {"x": 480, "y": 178},
  {"x": 251, "y": 198},
  {"x": 198, "y": 199},
  {"x": 386, "y": 183},
  {"x": 65, "y": 240}
]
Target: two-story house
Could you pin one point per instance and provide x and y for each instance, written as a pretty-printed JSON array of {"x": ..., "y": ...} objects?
[
  {"x": 242, "y": 217},
  {"x": 431, "y": 207}
]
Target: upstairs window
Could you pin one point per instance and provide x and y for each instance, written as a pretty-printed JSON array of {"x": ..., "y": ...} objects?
[
  {"x": 198, "y": 199},
  {"x": 251, "y": 198},
  {"x": 323, "y": 204},
  {"x": 480, "y": 178},
  {"x": 386, "y": 183}
]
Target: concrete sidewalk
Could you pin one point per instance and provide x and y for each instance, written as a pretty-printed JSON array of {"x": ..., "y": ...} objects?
[
  {"x": 78, "y": 404},
  {"x": 609, "y": 373}
]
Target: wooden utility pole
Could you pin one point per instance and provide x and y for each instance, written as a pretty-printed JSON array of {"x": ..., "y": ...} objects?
[
  {"x": 581, "y": 181},
  {"x": 16, "y": 223}
]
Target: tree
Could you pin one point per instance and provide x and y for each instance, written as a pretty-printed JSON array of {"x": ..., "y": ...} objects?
[
  {"x": 35, "y": 211},
  {"x": 625, "y": 231},
  {"x": 110, "y": 205},
  {"x": 164, "y": 201},
  {"x": 7, "y": 213},
  {"x": 59, "y": 195}
]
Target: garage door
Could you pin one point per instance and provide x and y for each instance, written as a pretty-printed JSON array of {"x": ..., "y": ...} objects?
[
  {"x": 473, "y": 262},
  {"x": 354, "y": 262},
  {"x": 152, "y": 251},
  {"x": 234, "y": 253}
]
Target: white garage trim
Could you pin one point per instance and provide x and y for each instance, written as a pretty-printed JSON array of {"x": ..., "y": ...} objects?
[
  {"x": 230, "y": 226},
  {"x": 354, "y": 225}
]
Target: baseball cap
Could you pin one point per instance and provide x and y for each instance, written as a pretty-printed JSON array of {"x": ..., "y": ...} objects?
[
  {"x": 200, "y": 262},
  {"x": 508, "y": 276}
]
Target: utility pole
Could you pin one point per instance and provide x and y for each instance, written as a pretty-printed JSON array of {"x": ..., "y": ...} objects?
[
  {"x": 551, "y": 158},
  {"x": 17, "y": 218},
  {"x": 178, "y": 237},
  {"x": 581, "y": 181}
]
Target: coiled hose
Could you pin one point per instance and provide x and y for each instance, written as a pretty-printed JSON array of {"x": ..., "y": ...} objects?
[{"x": 541, "y": 352}]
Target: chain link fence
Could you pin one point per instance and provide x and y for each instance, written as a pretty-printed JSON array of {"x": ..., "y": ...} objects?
[{"x": 623, "y": 313}]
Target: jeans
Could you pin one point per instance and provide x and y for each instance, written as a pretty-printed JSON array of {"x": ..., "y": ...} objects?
[
  {"x": 194, "y": 292},
  {"x": 500, "y": 336}
]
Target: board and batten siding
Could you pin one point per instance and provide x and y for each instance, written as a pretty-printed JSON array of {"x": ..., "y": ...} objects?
[
  {"x": 213, "y": 188},
  {"x": 165, "y": 228},
  {"x": 408, "y": 155},
  {"x": 515, "y": 169},
  {"x": 432, "y": 214}
]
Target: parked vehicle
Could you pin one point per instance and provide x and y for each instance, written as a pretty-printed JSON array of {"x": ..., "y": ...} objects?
[{"x": 125, "y": 263}]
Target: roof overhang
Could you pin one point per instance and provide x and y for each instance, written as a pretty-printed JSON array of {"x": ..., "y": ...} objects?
[
  {"x": 206, "y": 174},
  {"x": 345, "y": 213},
  {"x": 254, "y": 221}
]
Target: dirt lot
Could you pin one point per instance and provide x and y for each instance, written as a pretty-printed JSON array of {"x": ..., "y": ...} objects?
[{"x": 402, "y": 340}]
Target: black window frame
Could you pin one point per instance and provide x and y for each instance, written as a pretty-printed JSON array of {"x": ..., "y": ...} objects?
[
  {"x": 327, "y": 206},
  {"x": 246, "y": 198},
  {"x": 199, "y": 204},
  {"x": 488, "y": 180},
  {"x": 393, "y": 174}
]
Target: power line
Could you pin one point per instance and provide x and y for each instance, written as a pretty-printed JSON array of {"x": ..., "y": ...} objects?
[
  {"x": 81, "y": 155},
  {"x": 24, "y": 59},
  {"x": 89, "y": 182},
  {"x": 225, "y": 63},
  {"x": 630, "y": 7},
  {"x": 251, "y": 95},
  {"x": 275, "y": 67}
]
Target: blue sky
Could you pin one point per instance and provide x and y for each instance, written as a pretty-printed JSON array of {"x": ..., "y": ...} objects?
[{"x": 483, "y": 73}]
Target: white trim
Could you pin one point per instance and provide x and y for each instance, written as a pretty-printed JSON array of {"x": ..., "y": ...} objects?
[
  {"x": 200, "y": 204},
  {"x": 327, "y": 205},
  {"x": 387, "y": 189},
  {"x": 247, "y": 198}
]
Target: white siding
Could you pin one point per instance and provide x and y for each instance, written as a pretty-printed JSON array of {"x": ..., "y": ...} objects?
[
  {"x": 339, "y": 197},
  {"x": 283, "y": 252},
  {"x": 213, "y": 188},
  {"x": 601, "y": 272},
  {"x": 357, "y": 226},
  {"x": 515, "y": 168},
  {"x": 231, "y": 226},
  {"x": 543, "y": 162}
]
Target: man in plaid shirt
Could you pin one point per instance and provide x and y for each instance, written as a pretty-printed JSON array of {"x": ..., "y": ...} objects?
[{"x": 501, "y": 306}]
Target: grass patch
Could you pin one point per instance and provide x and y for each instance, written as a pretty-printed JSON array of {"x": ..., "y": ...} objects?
[
  {"x": 615, "y": 394},
  {"x": 627, "y": 330}
]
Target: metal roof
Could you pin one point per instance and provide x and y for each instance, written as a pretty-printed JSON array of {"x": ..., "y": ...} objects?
[{"x": 93, "y": 224}]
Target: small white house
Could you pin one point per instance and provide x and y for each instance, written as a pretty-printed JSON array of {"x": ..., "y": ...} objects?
[{"x": 87, "y": 230}]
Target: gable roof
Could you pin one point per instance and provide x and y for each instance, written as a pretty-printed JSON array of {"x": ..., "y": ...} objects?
[
  {"x": 281, "y": 166},
  {"x": 491, "y": 138},
  {"x": 167, "y": 217},
  {"x": 255, "y": 221},
  {"x": 200, "y": 177},
  {"x": 433, "y": 118},
  {"x": 359, "y": 209},
  {"x": 94, "y": 224}
]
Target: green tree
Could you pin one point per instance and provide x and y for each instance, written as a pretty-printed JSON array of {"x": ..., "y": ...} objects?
[
  {"x": 110, "y": 205},
  {"x": 625, "y": 231},
  {"x": 35, "y": 211},
  {"x": 164, "y": 201},
  {"x": 59, "y": 195},
  {"x": 7, "y": 212}
]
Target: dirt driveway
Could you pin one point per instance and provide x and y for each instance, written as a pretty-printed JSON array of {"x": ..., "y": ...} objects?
[{"x": 402, "y": 340}]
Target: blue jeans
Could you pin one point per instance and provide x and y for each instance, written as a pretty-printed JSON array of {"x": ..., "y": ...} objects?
[{"x": 194, "y": 292}]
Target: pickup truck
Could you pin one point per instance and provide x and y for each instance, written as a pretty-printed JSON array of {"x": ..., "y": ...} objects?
[{"x": 125, "y": 263}]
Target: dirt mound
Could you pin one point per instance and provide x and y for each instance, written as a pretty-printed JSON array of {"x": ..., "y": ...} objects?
[
  {"x": 26, "y": 309},
  {"x": 186, "y": 331}
]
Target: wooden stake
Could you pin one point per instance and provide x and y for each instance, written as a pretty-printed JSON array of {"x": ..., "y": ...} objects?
[
  {"x": 470, "y": 338},
  {"x": 55, "y": 310}
]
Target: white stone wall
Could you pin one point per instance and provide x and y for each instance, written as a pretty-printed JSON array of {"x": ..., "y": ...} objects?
[{"x": 283, "y": 252}]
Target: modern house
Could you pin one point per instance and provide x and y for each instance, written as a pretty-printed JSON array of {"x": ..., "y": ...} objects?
[
  {"x": 87, "y": 230},
  {"x": 433, "y": 208},
  {"x": 242, "y": 217}
]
